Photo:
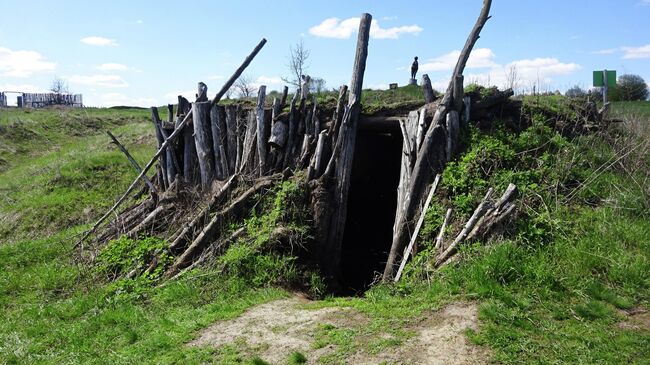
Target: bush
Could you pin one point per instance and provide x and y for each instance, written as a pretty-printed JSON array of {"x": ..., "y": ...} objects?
[
  {"x": 630, "y": 88},
  {"x": 575, "y": 92}
]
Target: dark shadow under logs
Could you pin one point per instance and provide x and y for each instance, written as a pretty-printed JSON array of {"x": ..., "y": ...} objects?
[{"x": 371, "y": 209}]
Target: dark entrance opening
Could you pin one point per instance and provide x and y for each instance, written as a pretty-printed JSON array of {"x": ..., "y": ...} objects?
[{"x": 372, "y": 201}]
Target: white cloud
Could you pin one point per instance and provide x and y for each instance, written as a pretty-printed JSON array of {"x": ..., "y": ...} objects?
[
  {"x": 343, "y": 29},
  {"x": 118, "y": 99},
  {"x": 172, "y": 96},
  {"x": 271, "y": 82},
  {"x": 636, "y": 52},
  {"x": 606, "y": 51},
  {"x": 112, "y": 67},
  {"x": 113, "y": 81},
  {"x": 479, "y": 58},
  {"x": 26, "y": 88},
  {"x": 98, "y": 41},
  {"x": 528, "y": 72},
  {"x": 22, "y": 63}
]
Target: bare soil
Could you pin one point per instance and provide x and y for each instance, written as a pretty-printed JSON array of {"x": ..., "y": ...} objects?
[{"x": 274, "y": 330}]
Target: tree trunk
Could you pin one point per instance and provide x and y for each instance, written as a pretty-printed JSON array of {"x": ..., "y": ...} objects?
[{"x": 203, "y": 141}]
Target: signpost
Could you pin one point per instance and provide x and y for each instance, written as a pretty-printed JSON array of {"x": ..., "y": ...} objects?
[{"x": 605, "y": 79}]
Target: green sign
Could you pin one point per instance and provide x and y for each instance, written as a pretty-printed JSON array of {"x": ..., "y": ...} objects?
[{"x": 599, "y": 79}]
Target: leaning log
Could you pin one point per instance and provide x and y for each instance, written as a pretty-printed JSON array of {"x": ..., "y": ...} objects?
[
  {"x": 346, "y": 140},
  {"x": 426, "y": 163},
  {"x": 171, "y": 138},
  {"x": 137, "y": 167}
]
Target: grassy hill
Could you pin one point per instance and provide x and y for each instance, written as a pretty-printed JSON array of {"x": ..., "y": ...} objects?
[{"x": 554, "y": 288}]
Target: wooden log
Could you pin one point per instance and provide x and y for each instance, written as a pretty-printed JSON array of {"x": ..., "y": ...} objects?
[
  {"x": 459, "y": 93},
  {"x": 495, "y": 215},
  {"x": 467, "y": 103},
  {"x": 347, "y": 137},
  {"x": 133, "y": 233},
  {"x": 137, "y": 167},
  {"x": 202, "y": 93},
  {"x": 410, "y": 248},
  {"x": 429, "y": 96},
  {"x": 203, "y": 141},
  {"x": 279, "y": 133},
  {"x": 173, "y": 165},
  {"x": 338, "y": 113},
  {"x": 421, "y": 174},
  {"x": 314, "y": 119},
  {"x": 189, "y": 154},
  {"x": 261, "y": 120},
  {"x": 171, "y": 138},
  {"x": 249, "y": 142},
  {"x": 232, "y": 138},
  {"x": 241, "y": 134},
  {"x": 441, "y": 235},
  {"x": 236, "y": 208},
  {"x": 283, "y": 99},
  {"x": 422, "y": 126},
  {"x": 163, "y": 157},
  {"x": 178, "y": 240},
  {"x": 217, "y": 127},
  {"x": 453, "y": 134},
  {"x": 316, "y": 164},
  {"x": 291, "y": 132},
  {"x": 478, "y": 213},
  {"x": 170, "y": 113}
]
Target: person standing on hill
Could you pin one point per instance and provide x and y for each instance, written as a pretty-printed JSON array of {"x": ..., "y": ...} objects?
[{"x": 414, "y": 67}]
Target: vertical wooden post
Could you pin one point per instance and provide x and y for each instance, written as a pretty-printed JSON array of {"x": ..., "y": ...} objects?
[
  {"x": 347, "y": 138},
  {"x": 231, "y": 131},
  {"x": 203, "y": 141},
  {"x": 605, "y": 88},
  {"x": 428, "y": 89},
  {"x": 217, "y": 142},
  {"x": 261, "y": 141}
]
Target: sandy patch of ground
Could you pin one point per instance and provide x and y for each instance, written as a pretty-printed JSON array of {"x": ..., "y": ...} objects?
[
  {"x": 636, "y": 319},
  {"x": 274, "y": 330}
]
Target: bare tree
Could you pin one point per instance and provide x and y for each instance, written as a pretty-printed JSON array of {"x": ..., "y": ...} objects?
[
  {"x": 297, "y": 65},
  {"x": 59, "y": 86},
  {"x": 318, "y": 85},
  {"x": 245, "y": 86},
  {"x": 512, "y": 78}
]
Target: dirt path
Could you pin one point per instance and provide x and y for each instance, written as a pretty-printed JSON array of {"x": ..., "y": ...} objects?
[{"x": 274, "y": 330}]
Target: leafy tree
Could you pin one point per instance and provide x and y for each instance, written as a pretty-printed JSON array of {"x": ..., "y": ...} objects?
[
  {"x": 630, "y": 87},
  {"x": 575, "y": 92}
]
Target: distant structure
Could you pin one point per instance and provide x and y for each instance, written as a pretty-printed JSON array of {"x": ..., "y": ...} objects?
[{"x": 40, "y": 100}]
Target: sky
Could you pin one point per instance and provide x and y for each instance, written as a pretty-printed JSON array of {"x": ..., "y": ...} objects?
[{"x": 145, "y": 53}]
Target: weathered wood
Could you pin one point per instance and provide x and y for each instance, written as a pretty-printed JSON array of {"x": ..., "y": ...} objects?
[
  {"x": 178, "y": 240},
  {"x": 314, "y": 119},
  {"x": 137, "y": 167},
  {"x": 202, "y": 93},
  {"x": 338, "y": 113},
  {"x": 441, "y": 235},
  {"x": 217, "y": 127},
  {"x": 261, "y": 120},
  {"x": 236, "y": 208},
  {"x": 145, "y": 222},
  {"x": 170, "y": 113},
  {"x": 279, "y": 133},
  {"x": 453, "y": 133},
  {"x": 459, "y": 93},
  {"x": 478, "y": 213},
  {"x": 332, "y": 254},
  {"x": 426, "y": 163},
  {"x": 203, "y": 141},
  {"x": 421, "y": 129},
  {"x": 429, "y": 96},
  {"x": 232, "y": 138},
  {"x": 173, "y": 166},
  {"x": 241, "y": 134},
  {"x": 316, "y": 165},
  {"x": 410, "y": 248},
  {"x": 189, "y": 153},
  {"x": 249, "y": 141},
  {"x": 159, "y": 137},
  {"x": 283, "y": 99},
  {"x": 467, "y": 103},
  {"x": 291, "y": 132},
  {"x": 495, "y": 215},
  {"x": 171, "y": 138}
]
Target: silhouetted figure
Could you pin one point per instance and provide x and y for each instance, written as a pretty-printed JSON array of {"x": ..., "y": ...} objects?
[{"x": 414, "y": 68}]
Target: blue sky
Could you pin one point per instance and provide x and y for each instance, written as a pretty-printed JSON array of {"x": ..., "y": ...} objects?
[{"x": 147, "y": 52}]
